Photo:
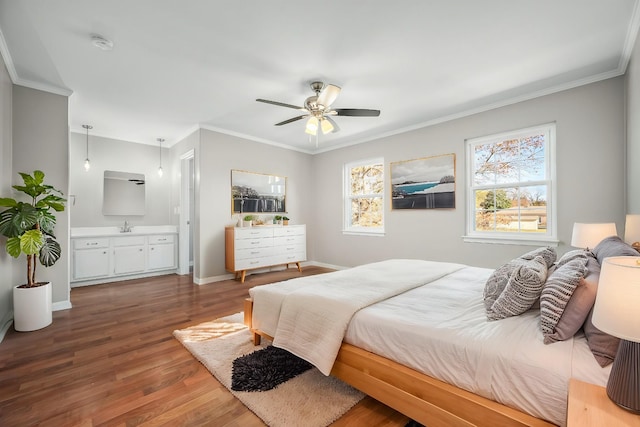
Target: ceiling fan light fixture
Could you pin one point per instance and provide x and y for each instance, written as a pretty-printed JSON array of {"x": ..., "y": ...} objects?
[
  {"x": 312, "y": 126},
  {"x": 326, "y": 126}
]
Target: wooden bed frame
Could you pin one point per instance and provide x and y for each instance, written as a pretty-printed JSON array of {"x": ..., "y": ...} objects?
[{"x": 427, "y": 400}]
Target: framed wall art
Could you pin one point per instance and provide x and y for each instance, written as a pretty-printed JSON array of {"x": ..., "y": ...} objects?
[
  {"x": 425, "y": 183},
  {"x": 257, "y": 193}
]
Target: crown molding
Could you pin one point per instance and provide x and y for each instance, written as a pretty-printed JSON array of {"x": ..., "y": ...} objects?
[
  {"x": 253, "y": 138},
  {"x": 16, "y": 80}
]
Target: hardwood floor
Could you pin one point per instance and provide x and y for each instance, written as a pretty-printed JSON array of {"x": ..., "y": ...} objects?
[{"x": 112, "y": 360}]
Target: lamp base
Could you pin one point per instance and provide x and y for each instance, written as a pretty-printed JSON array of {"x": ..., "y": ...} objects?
[{"x": 623, "y": 387}]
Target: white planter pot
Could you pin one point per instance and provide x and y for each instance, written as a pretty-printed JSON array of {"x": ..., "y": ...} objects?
[
  {"x": 246, "y": 223},
  {"x": 32, "y": 308}
]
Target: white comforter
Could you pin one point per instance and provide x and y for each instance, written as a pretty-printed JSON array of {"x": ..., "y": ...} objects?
[
  {"x": 439, "y": 329},
  {"x": 312, "y": 320}
]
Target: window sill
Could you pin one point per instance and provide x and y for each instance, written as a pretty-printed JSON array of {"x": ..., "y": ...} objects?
[
  {"x": 499, "y": 240},
  {"x": 352, "y": 232}
]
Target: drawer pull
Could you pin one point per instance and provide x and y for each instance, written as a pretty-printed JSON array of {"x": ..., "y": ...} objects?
[
  {"x": 92, "y": 243},
  {"x": 255, "y": 252},
  {"x": 255, "y": 243},
  {"x": 162, "y": 240}
]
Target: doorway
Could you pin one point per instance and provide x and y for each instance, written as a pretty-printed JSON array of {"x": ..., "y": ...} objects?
[{"x": 187, "y": 212}]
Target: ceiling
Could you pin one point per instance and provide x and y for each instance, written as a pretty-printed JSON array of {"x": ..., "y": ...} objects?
[{"x": 179, "y": 65}]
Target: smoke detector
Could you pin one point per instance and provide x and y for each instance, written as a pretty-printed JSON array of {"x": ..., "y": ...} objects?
[{"x": 102, "y": 43}]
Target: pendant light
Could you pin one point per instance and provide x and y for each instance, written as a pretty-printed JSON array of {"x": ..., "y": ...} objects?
[
  {"x": 87, "y": 163},
  {"x": 160, "y": 141}
]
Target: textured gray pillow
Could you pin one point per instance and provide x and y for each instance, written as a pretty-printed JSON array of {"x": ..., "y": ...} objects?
[
  {"x": 557, "y": 292},
  {"x": 579, "y": 305},
  {"x": 522, "y": 290},
  {"x": 613, "y": 246},
  {"x": 499, "y": 278},
  {"x": 575, "y": 254}
]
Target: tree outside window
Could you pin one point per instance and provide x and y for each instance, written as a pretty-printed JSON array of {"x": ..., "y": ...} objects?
[
  {"x": 511, "y": 183},
  {"x": 364, "y": 196}
]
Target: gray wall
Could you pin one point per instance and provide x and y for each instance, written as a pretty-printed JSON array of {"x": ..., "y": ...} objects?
[
  {"x": 6, "y": 262},
  {"x": 219, "y": 154},
  {"x": 633, "y": 132},
  {"x": 41, "y": 141},
  {"x": 590, "y": 178},
  {"x": 123, "y": 156}
]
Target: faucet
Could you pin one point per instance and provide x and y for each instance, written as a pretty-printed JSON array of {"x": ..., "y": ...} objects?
[{"x": 126, "y": 228}]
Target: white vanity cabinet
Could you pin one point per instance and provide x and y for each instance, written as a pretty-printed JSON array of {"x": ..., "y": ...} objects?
[
  {"x": 128, "y": 254},
  {"x": 264, "y": 246},
  {"x": 90, "y": 258},
  {"x": 122, "y": 256},
  {"x": 161, "y": 252}
]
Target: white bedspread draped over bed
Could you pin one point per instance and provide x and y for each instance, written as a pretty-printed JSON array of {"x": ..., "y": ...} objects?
[
  {"x": 439, "y": 329},
  {"x": 313, "y": 319}
]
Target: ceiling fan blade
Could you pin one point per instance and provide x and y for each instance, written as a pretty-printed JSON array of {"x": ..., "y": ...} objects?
[
  {"x": 328, "y": 95},
  {"x": 336, "y": 128},
  {"x": 356, "y": 112},
  {"x": 294, "y": 119},
  {"x": 281, "y": 104}
]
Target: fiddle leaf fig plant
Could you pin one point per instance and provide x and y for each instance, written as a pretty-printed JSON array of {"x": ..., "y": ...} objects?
[{"x": 28, "y": 226}]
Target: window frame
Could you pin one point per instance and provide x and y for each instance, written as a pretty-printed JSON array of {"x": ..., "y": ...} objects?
[
  {"x": 550, "y": 237},
  {"x": 347, "y": 197}
]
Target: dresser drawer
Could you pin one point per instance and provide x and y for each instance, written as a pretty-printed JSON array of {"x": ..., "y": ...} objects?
[
  {"x": 290, "y": 230},
  {"x": 253, "y": 253},
  {"x": 253, "y": 233},
  {"x": 253, "y": 243},
  {"x": 289, "y": 240},
  {"x": 251, "y": 263}
]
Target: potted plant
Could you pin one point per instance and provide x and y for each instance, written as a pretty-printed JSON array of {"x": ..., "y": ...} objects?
[
  {"x": 28, "y": 227},
  {"x": 247, "y": 220},
  {"x": 277, "y": 219},
  {"x": 285, "y": 220}
]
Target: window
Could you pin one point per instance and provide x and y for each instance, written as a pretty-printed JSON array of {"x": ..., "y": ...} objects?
[
  {"x": 364, "y": 197},
  {"x": 511, "y": 181}
]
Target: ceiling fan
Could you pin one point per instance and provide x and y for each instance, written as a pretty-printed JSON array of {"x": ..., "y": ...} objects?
[{"x": 318, "y": 109}]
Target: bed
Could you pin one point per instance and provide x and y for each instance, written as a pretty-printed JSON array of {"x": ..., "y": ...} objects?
[{"x": 424, "y": 345}]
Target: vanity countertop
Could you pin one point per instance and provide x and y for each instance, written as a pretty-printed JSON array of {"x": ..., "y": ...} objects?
[{"x": 136, "y": 230}]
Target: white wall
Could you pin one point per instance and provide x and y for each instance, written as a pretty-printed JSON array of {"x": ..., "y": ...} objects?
[
  {"x": 122, "y": 156},
  {"x": 633, "y": 131},
  {"x": 41, "y": 141},
  {"x": 590, "y": 177},
  {"x": 6, "y": 171}
]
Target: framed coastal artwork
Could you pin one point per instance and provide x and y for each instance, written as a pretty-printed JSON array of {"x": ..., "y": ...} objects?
[
  {"x": 253, "y": 192},
  {"x": 425, "y": 183}
]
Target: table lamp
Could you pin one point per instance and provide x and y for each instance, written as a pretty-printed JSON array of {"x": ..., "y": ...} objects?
[
  {"x": 632, "y": 231},
  {"x": 587, "y": 236},
  {"x": 616, "y": 312}
]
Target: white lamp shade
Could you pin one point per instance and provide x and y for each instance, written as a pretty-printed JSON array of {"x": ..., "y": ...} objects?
[
  {"x": 632, "y": 229},
  {"x": 617, "y": 306},
  {"x": 589, "y": 235},
  {"x": 312, "y": 126}
]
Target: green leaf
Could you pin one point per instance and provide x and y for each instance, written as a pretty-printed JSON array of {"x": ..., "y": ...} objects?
[
  {"x": 7, "y": 202},
  {"x": 13, "y": 247},
  {"x": 38, "y": 176},
  {"x": 50, "y": 252},
  {"x": 31, "y": 242},
  {"x": 47, "y": 221}
]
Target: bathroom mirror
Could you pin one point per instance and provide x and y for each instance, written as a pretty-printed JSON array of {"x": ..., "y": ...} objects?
[
  {"x": 257, "y": 193},
  {"x": 124, "y": 193}
]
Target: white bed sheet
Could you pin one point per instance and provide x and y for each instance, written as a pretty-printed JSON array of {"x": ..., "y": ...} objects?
[{"x": 441, "y": 329}]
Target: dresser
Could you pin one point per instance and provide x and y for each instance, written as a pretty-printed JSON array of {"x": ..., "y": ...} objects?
[{"x": 264, "y": 246}]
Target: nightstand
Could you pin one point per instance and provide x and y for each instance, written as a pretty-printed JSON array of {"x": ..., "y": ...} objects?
[{"x": 589, "y": 405}]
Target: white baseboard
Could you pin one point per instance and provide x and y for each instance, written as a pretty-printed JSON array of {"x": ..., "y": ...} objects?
[
  {"x": 322, "y": 264},
  {"x": 61, "y": 305},
  {"x": 212, "y": 279}
]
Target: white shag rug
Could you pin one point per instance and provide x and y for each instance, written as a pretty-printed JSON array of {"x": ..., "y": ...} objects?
[{"x": 310, "y": 398}]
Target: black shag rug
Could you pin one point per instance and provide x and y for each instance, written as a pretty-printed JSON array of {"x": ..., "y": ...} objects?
[{"x": 265, "y": 369}]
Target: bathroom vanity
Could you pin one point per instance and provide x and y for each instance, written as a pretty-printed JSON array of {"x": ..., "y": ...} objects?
[{"x": 106, "y": 254}]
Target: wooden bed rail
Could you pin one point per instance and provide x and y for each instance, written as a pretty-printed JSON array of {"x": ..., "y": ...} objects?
[{"x": 425, "y": 399}]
